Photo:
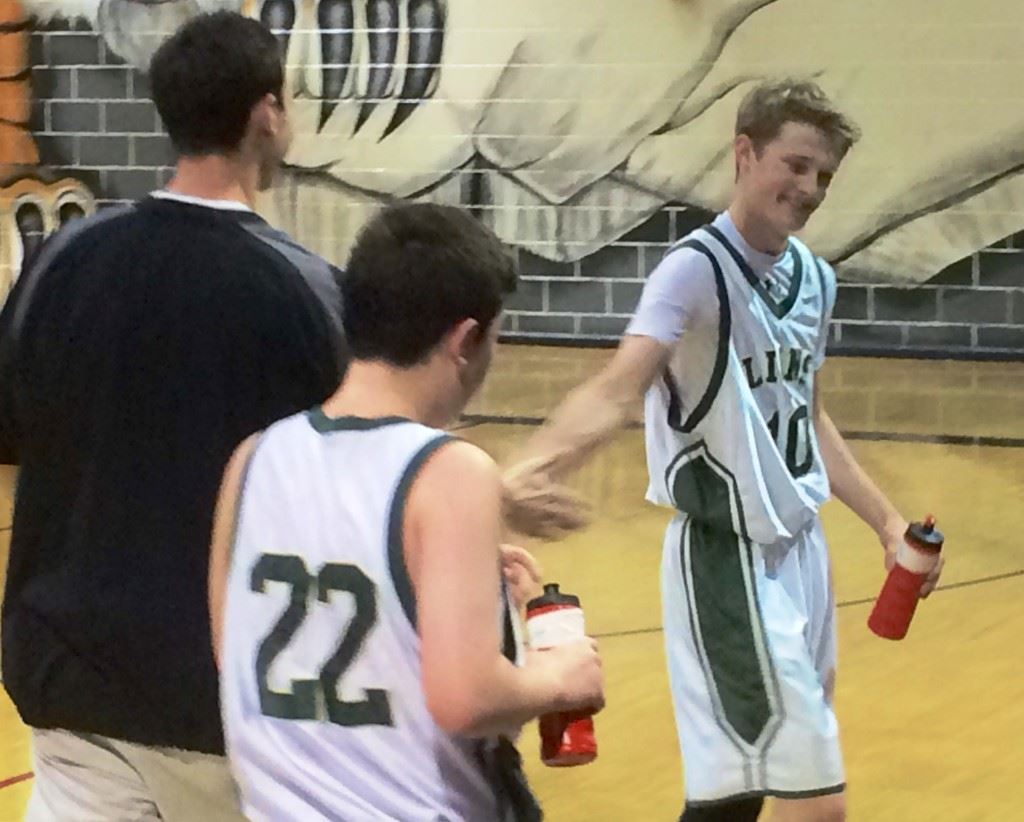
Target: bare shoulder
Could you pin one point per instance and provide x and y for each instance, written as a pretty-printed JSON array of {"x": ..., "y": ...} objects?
[
  {"x": 239, "y": 460},
  {"x": 230, "y": 492},
  {"x": 245, "y": 448},
  {"x": 462, "y": 462},
  {"x": 454, "y": 502}
]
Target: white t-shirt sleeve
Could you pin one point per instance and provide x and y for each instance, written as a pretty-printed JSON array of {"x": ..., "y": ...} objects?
[{"x": 679, "y": 294}]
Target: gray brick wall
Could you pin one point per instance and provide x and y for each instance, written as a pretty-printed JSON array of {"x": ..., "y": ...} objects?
[
  {"x": 92, "y": 118},
  {"x": 594, "y": 297},
  {"x": 974, "y": 308}
]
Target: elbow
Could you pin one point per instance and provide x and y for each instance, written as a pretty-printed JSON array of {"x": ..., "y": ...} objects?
[
  {"x": 457, "y": 714},
  {"x": 459, "y": 704},
  {"x": 623, "y": 403}
]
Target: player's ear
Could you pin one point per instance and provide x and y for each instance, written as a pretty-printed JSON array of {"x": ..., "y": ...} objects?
[
  {"x": 464, "y": 340},
  {"x": 743, "y": 152},
  {"x": 266, "y": 114}
]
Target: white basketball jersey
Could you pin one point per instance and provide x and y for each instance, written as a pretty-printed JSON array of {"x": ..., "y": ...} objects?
[
  {"x": 729, "y": 428},
  {"x": 324, "y": 712}
]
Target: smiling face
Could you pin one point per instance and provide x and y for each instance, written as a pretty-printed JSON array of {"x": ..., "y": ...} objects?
[{"x": 782, "y": 184}]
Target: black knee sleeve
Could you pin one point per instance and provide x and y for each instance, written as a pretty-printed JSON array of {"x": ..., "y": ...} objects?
[{"x": 736, "y": 810}]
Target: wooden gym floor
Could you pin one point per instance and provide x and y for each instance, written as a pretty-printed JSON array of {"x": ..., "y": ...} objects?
[{"x": 932, "y": 726}]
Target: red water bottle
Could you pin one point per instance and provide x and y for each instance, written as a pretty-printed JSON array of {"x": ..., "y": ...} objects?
[
  {"x": 916, "y": 557},
  {"x": 566, "y": 738}
]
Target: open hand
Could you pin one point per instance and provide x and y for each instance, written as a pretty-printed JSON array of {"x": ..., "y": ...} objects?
[{"x": 535, "y": 505}]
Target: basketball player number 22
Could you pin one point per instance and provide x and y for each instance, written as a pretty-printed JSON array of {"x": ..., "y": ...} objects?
[{"x": 307, "y": 694}]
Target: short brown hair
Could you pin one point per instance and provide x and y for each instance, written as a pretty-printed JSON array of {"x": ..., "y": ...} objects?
[
  {"x": 415, "y": 271},
  {"x": 770, "y": 105},
  {"x": 207, "y": 77}
]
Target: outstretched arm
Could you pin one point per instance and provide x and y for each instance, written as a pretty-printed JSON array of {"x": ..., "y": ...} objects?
[
  {"x": 596, "y": 410},
  {"x": 534, "y": 503},
  {"x": 680, "y": 294}
]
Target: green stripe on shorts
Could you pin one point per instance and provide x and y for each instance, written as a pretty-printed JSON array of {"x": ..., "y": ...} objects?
[{"x": 730, "y": 638}]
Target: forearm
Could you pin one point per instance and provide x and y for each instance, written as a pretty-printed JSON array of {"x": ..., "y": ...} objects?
[
  {"x": 588, "y": 418},
  {"x": 509, "y": 698},
  {"x": 850, "y": 483}
]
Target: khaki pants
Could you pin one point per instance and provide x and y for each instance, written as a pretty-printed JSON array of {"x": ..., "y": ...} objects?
[{"x": 90, "y": 778}]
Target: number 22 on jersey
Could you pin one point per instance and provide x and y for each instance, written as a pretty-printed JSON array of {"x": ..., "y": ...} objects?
[{"x": 307, "y": 590}]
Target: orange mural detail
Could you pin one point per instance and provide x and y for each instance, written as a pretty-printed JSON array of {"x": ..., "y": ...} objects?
[
  {"x": 16, "y": 144},
  {"x": 33, "y": 202}
]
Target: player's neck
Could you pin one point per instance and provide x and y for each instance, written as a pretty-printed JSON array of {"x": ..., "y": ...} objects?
[
  {"x": 758, "y": 236},
  {"x": 372, "y": 390},
  {"x": 216, "y": 177}
]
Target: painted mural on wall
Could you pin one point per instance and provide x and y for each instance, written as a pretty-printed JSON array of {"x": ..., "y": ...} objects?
[
  {"x": 569, "y": 122},
  {"x": 33, "y": 202}
]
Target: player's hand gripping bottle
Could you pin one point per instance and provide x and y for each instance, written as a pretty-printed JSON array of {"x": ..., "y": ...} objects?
[
  {"x": 916, "y": 557},
  {"x": 552, "y": 619}
]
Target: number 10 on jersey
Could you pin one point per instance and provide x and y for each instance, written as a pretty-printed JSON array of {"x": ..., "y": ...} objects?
[{"x": 797, "y": 447}]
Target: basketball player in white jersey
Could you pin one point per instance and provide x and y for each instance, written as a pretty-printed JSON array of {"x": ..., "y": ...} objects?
[
  {"x": 725, "y": 344},
  {"x": 370, "y": 662}
]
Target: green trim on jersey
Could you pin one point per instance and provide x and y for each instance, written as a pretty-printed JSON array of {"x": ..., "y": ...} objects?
[
  {"x": 702, "y": 408},
  {"x": 323, "y": 424},
  {"x": 818, "y": 263},
  {"x": 699, "y": 491},
  {"x": 779, "y": 309},
  {"x": 396, "y": 554}
]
